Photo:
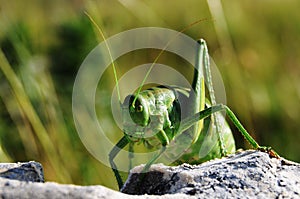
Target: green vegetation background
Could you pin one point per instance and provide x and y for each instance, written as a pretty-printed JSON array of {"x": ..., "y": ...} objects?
[{"x": 255, "y": 45}]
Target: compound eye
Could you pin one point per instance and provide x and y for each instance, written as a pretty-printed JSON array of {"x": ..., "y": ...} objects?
[{"x": 139, "y": 108}]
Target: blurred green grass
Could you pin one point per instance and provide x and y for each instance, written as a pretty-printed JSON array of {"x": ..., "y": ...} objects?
[{"x": 255, "y": 45}]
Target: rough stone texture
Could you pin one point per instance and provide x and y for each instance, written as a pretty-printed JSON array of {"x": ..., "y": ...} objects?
[
  {"x": 28, "y": 171},
  {"x": 11, "y": 189},
  {"x": 249, "y": 174},
  {"x": 23, "y": 180}
]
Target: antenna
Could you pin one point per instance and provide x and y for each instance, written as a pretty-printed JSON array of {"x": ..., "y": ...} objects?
[
  {"x": 161, "y": 52},
  {"x": 109, "y": 52}
]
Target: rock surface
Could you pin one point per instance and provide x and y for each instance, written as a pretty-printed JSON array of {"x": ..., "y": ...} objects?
[
  {"x": 28, "y": 171},
  {"x": 249, "y": 174},
  {"x": 50, "y": 190}
]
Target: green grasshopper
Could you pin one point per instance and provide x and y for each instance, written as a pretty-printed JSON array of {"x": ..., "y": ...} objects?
[
  {"x": 155, "y": 118},
  {"x": 157, "y": 111}
]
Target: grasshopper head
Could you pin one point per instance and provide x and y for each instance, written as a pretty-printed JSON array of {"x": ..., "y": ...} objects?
[{"x": 138, "y": 110}]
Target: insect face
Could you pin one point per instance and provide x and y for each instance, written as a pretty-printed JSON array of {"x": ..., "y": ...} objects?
[{"x": 138, "y": 110}]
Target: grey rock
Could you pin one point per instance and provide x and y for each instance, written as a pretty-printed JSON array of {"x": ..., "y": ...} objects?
[
  {"x": 28, "y": 171},
  {"x": 248, "y": 174},
  {"x": 23, "y": 180},
  {"x": 10, "y": 189}
]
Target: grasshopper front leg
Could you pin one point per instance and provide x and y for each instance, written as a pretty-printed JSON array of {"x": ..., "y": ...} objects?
[
  {"x": 165, "y": 142},
  {"x": 116, "y": 149}
]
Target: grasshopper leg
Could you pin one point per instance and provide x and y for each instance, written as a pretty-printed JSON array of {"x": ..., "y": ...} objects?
[
  {"x": 165, "y": 141},
  {"x": 155, "y": 157},
  {"x": 247, "y": 136},
  {"x": 189, "y": 121},
  {"x": 120, "y": 145},
  {"x": 205, "y": 64},
  {"x": 130, "y": 154}
]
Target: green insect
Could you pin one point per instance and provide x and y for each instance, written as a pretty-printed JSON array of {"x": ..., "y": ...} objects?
[
  {"x": 157, "y": 111},
  {"x": 155, "y": 117}
]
